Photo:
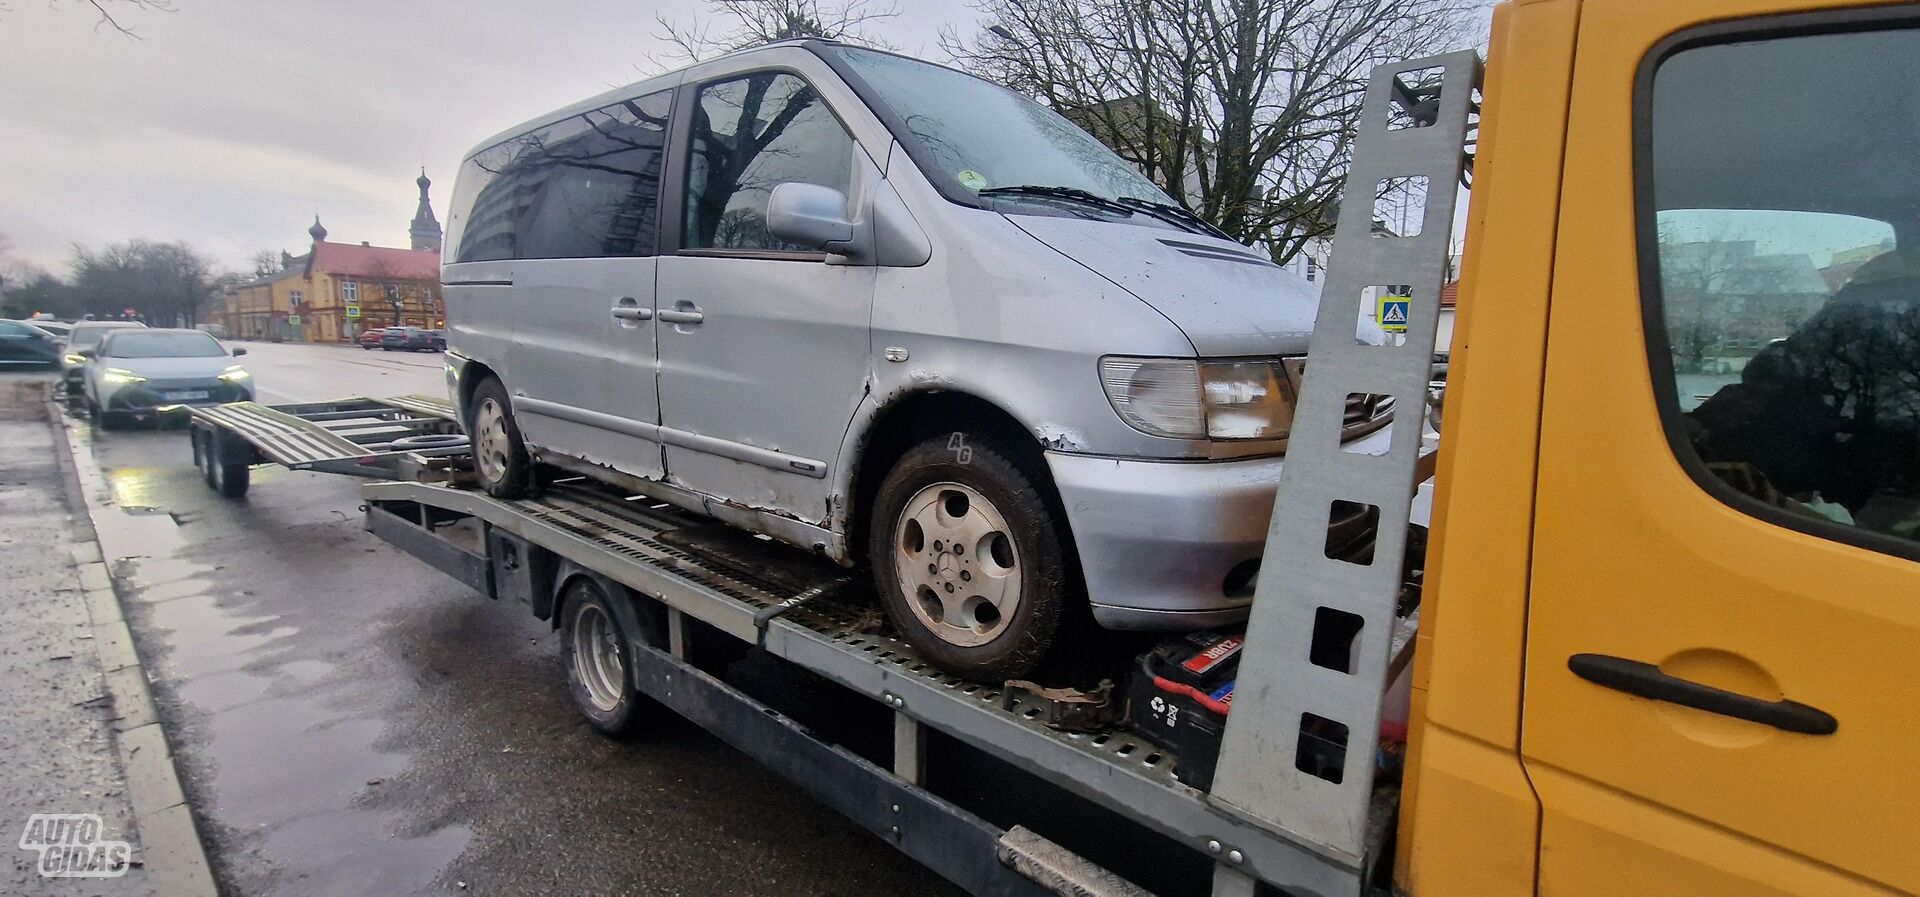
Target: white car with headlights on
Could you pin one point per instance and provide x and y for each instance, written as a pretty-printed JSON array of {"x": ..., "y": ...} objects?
[{"x": 144, "y": 372}]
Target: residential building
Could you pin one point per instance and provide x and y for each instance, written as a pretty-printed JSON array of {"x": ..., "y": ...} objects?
[{"x": 337, "y": 290}]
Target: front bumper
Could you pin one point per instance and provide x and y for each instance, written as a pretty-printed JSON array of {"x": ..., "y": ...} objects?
[
  {"x": 154, "y": 395},
  {"x": 1173, "y": 544}
]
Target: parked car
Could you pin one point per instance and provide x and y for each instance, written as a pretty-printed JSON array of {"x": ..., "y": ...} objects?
[
  {"x": 978, "y": 352},
  {"x": 139, "y": 373},
  {"x": 59, "y": 330},
  {"x": 24, "y": 345},
  {"x": 370, "y": 338},
  {"x": 85, "y": 335},
  {"x": 412, "y": 339},
  {"x": 217, "y": 331}
]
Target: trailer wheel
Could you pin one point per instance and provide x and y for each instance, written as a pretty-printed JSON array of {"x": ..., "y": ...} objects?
[
  {"x": 499, "y": 456},
  {"x": 595, "y": 648},
  {"x": 228, "y": 478},
  {"x": 968, "y": 559}
]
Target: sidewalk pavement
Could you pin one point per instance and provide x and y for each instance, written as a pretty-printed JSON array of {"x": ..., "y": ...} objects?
[{"x": 80, "y": 736}]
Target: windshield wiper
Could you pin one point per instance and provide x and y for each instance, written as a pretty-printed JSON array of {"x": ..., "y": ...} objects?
[
  {"x": 1177, "y": 215},
  {"x": 1073, "y": 193}
]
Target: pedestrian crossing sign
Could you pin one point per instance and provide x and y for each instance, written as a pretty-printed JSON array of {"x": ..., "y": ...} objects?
[
  {"x": 1393, "y": 313},
  {"x": 353, "y": 311}
]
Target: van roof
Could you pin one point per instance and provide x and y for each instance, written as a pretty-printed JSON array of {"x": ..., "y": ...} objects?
[{"x": 663, "y": 81}]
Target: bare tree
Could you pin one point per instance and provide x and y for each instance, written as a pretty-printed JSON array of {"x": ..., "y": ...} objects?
[
  {"x": 164, "y": 283},
  {"x": 265, "y": 262},
  {"x": 1243, "y": 109},
  {"x": 749, "y": 23},
  {"x": 109, "y": 14}
]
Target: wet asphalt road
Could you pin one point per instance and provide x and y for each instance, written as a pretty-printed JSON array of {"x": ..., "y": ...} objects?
[{"x": 351, "y": 722}]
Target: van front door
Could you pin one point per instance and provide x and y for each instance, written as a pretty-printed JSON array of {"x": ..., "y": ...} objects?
[
  {"x": 763, "y": 346},
  {"x": 1725, "y": 606},
  {"x": 576, "y": 204}
]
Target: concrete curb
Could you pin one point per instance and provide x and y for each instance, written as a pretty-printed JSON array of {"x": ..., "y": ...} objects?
[{"x": 170, "y": 846}]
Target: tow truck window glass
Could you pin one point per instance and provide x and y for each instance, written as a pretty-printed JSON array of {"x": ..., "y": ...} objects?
[{"x": 1786, "y": 203}]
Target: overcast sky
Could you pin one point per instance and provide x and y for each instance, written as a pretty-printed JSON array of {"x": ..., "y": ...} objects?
[{"x": 232, "y": 122}]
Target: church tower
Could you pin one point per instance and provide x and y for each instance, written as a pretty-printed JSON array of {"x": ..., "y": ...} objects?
[{"x": 426, "y": 229}]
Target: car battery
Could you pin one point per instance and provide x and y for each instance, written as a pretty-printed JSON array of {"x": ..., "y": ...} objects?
[{"x": 1179, "y": 697}]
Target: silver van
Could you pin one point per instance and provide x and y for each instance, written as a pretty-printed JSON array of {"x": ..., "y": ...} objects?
[{"x": 895, "y": 315}]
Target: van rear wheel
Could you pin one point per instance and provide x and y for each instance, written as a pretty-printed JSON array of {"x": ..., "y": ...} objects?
[
  {"x": 499, "y": 456},
  {"x": 968, "y": 559}
]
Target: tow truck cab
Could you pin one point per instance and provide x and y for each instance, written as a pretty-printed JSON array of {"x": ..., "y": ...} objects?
[{"x": 1673, "y": 595}]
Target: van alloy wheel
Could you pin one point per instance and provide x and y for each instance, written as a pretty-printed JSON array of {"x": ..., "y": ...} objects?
[
  {"x": 958, "y": 567},
  {"x": 490, "y": 443}
]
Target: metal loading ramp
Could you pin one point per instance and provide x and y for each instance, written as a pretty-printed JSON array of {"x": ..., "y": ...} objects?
[
  {"x": 819, "y": 618},
  {"x": 353, "y": 436}
]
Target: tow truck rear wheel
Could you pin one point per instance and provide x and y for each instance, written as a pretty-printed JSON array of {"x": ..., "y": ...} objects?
[
  {"x": 595, "y": 648},
  {"x": 499, "y": 456},
  {"x": 968, "y": 558}
]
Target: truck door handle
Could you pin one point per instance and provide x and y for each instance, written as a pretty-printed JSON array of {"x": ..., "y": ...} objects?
[
  {"x": 681, "y": 316},
  {"x": 1644, "y": 679}
]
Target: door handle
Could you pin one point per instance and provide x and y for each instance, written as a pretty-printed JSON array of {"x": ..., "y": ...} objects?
[
  {"x": 1644, "y": 679},
  {"x": 632, "y": 313},
  {"x": 681, "y": 316}
]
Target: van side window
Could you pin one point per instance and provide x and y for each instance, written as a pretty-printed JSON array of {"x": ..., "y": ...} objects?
[
  {"x": 586, "y": 187},
  {"x": 749, "y": 136},
  {"x": 1784, "y": 278}
]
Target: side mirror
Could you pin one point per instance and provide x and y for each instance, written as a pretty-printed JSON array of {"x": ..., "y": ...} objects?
[
  {"x": 809, "y": 215},
  {"x": 239, "y": 351}
]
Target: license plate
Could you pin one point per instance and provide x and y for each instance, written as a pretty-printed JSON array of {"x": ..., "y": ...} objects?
[{"x": 186, "y": 395}]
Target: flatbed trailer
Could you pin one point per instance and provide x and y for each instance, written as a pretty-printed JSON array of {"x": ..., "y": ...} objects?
[{"x": 785, "y": 656}]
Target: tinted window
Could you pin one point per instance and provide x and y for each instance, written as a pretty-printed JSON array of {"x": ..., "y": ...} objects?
[
  {"x": 8, "y": 328},
  {"x": 162, "y": 344},
  {"x": 749, "y": 136},
  {"x": 586, "y": 187},
  {"x": 1787, "y": 265}
]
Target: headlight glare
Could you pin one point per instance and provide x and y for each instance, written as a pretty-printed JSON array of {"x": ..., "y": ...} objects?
[
  {"x": 122, "y": 375},
  {"x": 1247, "y": 399},
  {"x": 234, "y": 374},
  {"x": 72, "y": 358}
]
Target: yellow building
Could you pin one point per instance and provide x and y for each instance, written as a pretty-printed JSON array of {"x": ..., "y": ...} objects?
[{"x": 338, "y": 290}]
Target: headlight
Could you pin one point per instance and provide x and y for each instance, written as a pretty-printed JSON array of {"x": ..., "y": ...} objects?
[
  {"x": 234, "y": 374},
  {"x": 1188, "y": 399},
  {"x": 122, "y": 375},
  {"x": 76, "y": 359}
]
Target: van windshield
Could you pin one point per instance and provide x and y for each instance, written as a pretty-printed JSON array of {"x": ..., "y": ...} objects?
[{"x": 974, "y": 135}]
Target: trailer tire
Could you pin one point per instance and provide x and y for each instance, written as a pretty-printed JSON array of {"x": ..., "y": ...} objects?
[
  {"x": 596, "y": 647},
  {"x": 228, "y": 478},
  {"x": 499, "y": 456},
  {"x": 989, "y": 584}
]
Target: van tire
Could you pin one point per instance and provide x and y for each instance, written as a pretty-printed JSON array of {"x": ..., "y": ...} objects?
[
  {"x": 1023, "y": 543},
  {"x": 505, "y": 471}
]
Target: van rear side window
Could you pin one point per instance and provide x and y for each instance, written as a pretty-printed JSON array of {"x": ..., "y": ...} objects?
[{"x": 586, "y": 187}]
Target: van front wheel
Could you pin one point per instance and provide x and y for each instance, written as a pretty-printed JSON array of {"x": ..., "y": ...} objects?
[
  {"x": 499, "y": 456},
  {"x": 968, "y": 559}
]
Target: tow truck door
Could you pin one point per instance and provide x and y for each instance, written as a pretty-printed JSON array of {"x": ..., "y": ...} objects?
[{"x": 1724, "y": 613}]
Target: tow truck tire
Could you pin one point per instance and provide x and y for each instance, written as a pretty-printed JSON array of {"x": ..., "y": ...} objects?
[
  {"x": 500, "y": 459},
  {"x": 596, "y": 650},
  {"x": 969, "y": 559}
]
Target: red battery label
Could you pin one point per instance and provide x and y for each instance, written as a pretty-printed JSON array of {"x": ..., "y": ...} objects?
[{"x": 1216, "y": 654}]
